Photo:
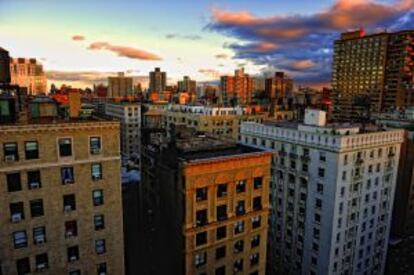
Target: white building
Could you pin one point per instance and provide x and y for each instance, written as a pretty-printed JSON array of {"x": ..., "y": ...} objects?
[
  {"x": 129, "y": 115},
  {"x": 332, "y": 194}
]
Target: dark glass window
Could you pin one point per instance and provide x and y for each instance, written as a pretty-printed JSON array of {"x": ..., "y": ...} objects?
[
  {"x": 95, "y": 145},
  {"x": 238, "y": 227},
  {"x": 238, "y": 265},
  {"x": 11, "y": 152},
  {"x": 257, "y": 203},
  {"x": 238, "y": 246},
  {"x": 101, "y": 268},
  {"x": 99, "y": 222},
  {"x": 201, "y": 194},
  {"x": 13, "y": 182},
  {"x": 220, "y": 252},
  {"x": 20, "y": 239},
  {"x": 96, "y": 171},
  {"x": 240, "y": 186},
  {"x": 73, "y": 253},
  {"x": 71, "y": 229},
  {"x": 254, "y": 259},
  {"x": 23, "y": 266},
  {"x": 221, "y": 212},
  {"x": 36, "y": 208},
  {"x": 97, "y": 197},
  {"x": 255, "y": 241},
  {"x": 69, "y": 203},
  {"x": 221, "y": 270},
  {"x": 67, "y": 175},
  {"x": 65, "y": 147},
  {"x": 34, "y": 180},
  {"x": 257, "y": 183},
  {"x": 240, "y": 209},
  {"x": 100, "y": 246},
  {"x": 222, "y": 190},
  {"x": 39, "y": 235},
  {"x": 42, "y": 262},
  {"x": 31, "y": 149},
  {"x": 221, "y": 232},
  {"x": 201, "y": 217},
  {"x": 16, "y": 212},
  {"x": 201, "y": 238}
]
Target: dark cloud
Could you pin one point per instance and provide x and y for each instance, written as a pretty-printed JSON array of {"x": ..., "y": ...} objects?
[
  {"x": 179, "y": 36},
  {"x": 302, "y": 44},
  {"x": 78, "y": 37},
  {"x": 124, "y": 51}
]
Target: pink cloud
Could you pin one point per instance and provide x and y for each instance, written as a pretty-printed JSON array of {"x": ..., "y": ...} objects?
[
  {"x": 78, "y": 37},
  {"x": 124, "y": 51}
]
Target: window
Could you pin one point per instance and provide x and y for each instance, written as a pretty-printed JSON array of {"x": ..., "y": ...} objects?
[
  {"x": 257, "y": 183},
  {"x": 321, "y": 172},
  {"x": 95, "y": 145},
  {"x": 240, "y": 186},
  {"x": 201, "y": 238},
  {"x": 23, "y": 266},
  {"x": 34, "y": 180},
  {"x": 221, "y": 212},
  {"x": 220, "y": 252},
  {"x": 201, "y": 194},
  {"x": 101, "y": 269},
  {"x": 322, "y": 156},
  {"x": 318, "y": 203},
  {"x": 238, "y": 265},
  {"x": 65, "y": 147},
  {"x": 31, "y": 149},
  {"x": 20, "y": 239},
  {"x": 238, "y": 246},
  {"x": 240, "y": 209},
  {"x": 254, "y": 259},
  {"x": 100, "y": 246},
  {"x": 257, "y": 203},
  {"x": 42, "y": 262},
  {"x": 201, "y": 217},
  {"x": 67, "y": 175},
  {"x": 10, "y": 152},
  {"x": 75, "y": 272},
  {"x": 200, "y": 259},
  {"x": 13, "y": 182},
  {"x": 222, "y": 190},
  {"x": 319, "y": 188},
  {"x": 256, "y": 222},
  {"x": 99, "y": 222},
  {"x": 36, "y": 208},
  {"x": 221, "y": 270},
  {"x": 238, "y": 227},
  {"x": 16, "y": 212},
  {"x": 73, "y": 253},
  {"x": 69, "y": 203},
  {"x": 96, "y": 171},
  {"x": 97, "y": 197},
  {"x": 39, "y": 235},
  {"x": 71, "y": 229},
  {"x": 255, "y": 241},
  {"x": 221, "y": 232}
]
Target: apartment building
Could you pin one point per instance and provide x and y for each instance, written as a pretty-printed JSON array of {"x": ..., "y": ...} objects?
[
  {"x": 120, "y": 86},
  {"x": 372, "y": 72},
  {"x": 129, "y": 114},
  {"x": 237, "y": 89},
  {"x": 206, "y": 204},
  {"x": 218, "y": 121},
  {"x": 157, "y": 81},
  {"x": 60, "y": 197},
  {"x": 28, "y": 73},
  {"x": 332, "y": 193}
]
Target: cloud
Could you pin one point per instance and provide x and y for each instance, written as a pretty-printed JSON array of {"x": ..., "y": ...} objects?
[
  {"x": 211, "y": 73},
  {"x": 124, "y": 51},
  {"x": 302, "y": 43},
  {"x": 78, "y": 37},
  {"x": 221, "y": 56},
  {"x": 186, "y": 37}
]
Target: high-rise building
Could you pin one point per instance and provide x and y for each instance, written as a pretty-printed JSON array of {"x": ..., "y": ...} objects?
[
  {"x": 120, "y": 86},
  {"x": 4, "y": 66},
  {"x": 206, "y": 203},
  {"x": 61, "y": 196},
  {"x": 373, "y": 72},
  {"x": 129, "y": 114},
  {"x": 158, "y": 81},
  {"x": 332, "y": 193},
  {"x": 237, "y": 89},
  {"x": 187, "y": 85},
  {"x": 28, "y": 73},
  {"x": 278, "y": 86}
]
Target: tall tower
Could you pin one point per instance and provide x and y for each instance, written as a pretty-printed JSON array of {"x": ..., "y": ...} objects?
[{"x": 158, "y": 81}]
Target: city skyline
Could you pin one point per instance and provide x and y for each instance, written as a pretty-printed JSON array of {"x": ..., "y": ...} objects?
[{"x": 204, "y": 39}]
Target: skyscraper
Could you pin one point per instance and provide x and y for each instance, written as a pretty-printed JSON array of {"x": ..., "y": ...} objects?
[
  {"x": 332, "y": 194},
  {"x": 120, "y": 86},
  {"x": 372, "y": 72},
  {"x": 28, "y": 73},
  {"x": 237, "y": 89},
  {"x": 158, "y": 81}
]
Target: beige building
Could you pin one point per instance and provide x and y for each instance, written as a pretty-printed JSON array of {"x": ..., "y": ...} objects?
[
  {"x": 28, "y": 72},
  {"x": 120, "y": 86},
  {"x": 61, "y": 198}
]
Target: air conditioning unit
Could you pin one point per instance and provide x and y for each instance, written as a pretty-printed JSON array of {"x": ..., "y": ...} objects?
[
  {"x": 73, "y": 258},
  {"x": 10, "y": 158},
  {"x": 69, "y": 234},
  {"x": 41, "y": 267},
  {"x": 96, "y": 177},
  {"x": 67, "y": 181},
  {"x": 102, "y": 273},
  {"x": 34, "y": 185},
  {"x": 68, "y": 208},
  {"x": 39, "y": 239},
  {"x": 16, "y": 217},
  {"x": 96, "y": 151}
]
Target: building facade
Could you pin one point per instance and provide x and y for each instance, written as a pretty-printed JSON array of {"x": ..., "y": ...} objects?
[
  {"x": 187, "y": 85},
  {"x": 120, "y": 86},
  {"x": 158, "y": 81},
  {"x": 237, "y": 89},
  {"x": 206, "y": 205},
  {"x": 61, "y": 196},
  {"x": 278, "y": 86},
  {"x": 4, "y": 67},
  {"x": 28, "y": 72},
  {"x": 372, "y": 72},
  {"x": 332, "y": 192},
  {"x": 129, "y": 114}
]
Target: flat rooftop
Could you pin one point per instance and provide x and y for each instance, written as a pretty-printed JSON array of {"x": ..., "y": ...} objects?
[{"x": 218, "y": 152}]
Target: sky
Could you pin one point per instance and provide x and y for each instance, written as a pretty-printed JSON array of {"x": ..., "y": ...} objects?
[{"x": 82, "y": 41}]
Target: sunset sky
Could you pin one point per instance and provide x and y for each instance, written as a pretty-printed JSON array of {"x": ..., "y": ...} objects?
[{"x": 82, "y": 40}]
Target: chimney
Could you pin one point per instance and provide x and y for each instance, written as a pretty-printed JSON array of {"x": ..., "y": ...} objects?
[{"x": 74, "y": 104}]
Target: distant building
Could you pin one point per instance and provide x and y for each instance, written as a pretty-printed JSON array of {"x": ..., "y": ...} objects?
[
  {"x": 4, "y": 67},
  {"x": 278, "y": 86},
  {"x": 332, "y": 194},
  {"x": 372, "y": 72},
  {"x": 129, "y": 114},
  {"x": 206, "y": 206},
  {"x": 158, "y": 81},
  {"x": 187, "y": 85},
  {"x": 237, "y": 89},
  {"x": 28, "y": 72},
  {"x": 120, "y": 86}
]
